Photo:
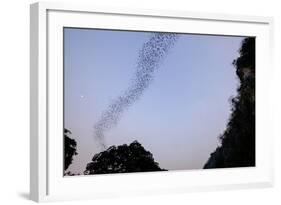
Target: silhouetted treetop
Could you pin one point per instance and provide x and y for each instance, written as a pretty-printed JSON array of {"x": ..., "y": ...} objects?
[
  {"x": 123, "y": 159},
  {"x": 69, "y": 149},
  {"x": 245, "y": 63}
]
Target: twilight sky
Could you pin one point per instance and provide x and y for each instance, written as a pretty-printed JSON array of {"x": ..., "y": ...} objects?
[{"x": 178, "y": 118}]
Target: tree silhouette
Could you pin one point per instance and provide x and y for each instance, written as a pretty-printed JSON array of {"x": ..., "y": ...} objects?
[
  {"x": 238, "y": 140},
  {"x": 69, "y": 149},
  {"x": 123, "y": 159}
]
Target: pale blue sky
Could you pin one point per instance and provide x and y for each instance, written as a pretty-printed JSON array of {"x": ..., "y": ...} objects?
[{"x": 180, "y": 115}]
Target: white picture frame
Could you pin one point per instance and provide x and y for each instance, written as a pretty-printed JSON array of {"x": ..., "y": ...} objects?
[{"x": 46, "y": 179}]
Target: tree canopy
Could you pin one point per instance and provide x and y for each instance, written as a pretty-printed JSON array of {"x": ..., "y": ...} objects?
[
  {"x": 237, "y": 147},
  {"x": 123, "y": 159},
  {"x": 69, "y": 149}
]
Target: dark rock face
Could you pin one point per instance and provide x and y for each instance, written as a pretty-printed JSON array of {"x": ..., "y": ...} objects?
[
  {"x": 123, "y": 159},
  {"x": 238, "y": 140}
]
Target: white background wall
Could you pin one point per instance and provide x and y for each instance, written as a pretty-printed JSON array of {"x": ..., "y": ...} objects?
[{"x": 14, "y": 101}]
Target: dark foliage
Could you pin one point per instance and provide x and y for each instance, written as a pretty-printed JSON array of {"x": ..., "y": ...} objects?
[
  {"x": 69, "y": 173},
  {"x": 238, "y": 140},
  {"x": 123, "y": 159},
  {"x": 69, "y": 149}
]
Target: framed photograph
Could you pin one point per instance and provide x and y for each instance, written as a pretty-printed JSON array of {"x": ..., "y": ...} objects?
[{"x": 127, "y": 102}]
